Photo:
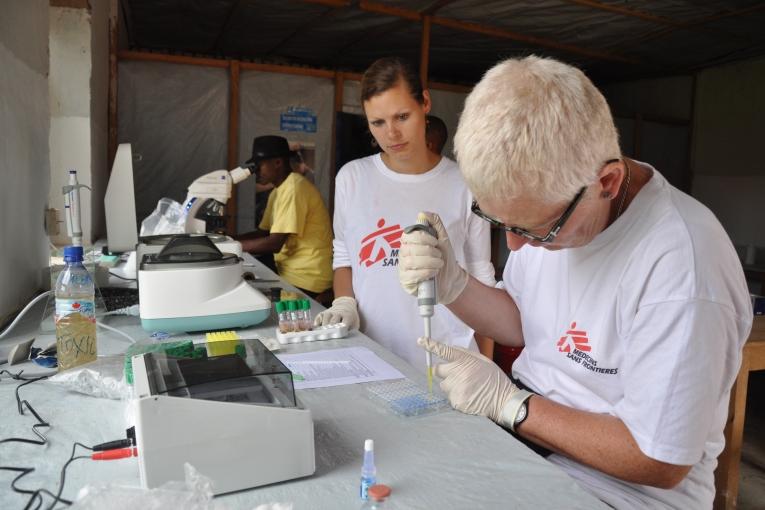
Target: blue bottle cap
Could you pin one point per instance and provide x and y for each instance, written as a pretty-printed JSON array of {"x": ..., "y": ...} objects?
[{"x": 73, "y": 254}]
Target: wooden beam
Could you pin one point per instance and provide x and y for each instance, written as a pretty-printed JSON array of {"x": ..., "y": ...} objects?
[
  {"x": 389, "y": 10},
  {"x": 693, "y": 25},
  {"x": 329, "y": 3},
  {"x": 303, "y": 71},
  {"x": 233, "y": 142},
  {"x": 222, "y": 63},
  {"x": 269, "y": 68},
  {"x": 425, "y": 51},
  {"x": 449, "y": 87},
  {"x": 171, "y": 59},
  {"x": 497, "y": 32},
  {"x": 336, "y": 107},
  {"x": 501, "y": 33},
  {"x": 626, "y": 11},
  {"x": 74, "y": 4}
]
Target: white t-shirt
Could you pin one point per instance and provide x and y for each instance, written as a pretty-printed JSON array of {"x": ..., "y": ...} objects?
[
  {"x": 645, "y": 323},
  {"x": 373, "y": 204}
]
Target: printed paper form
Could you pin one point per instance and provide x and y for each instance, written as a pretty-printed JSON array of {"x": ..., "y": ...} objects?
[{"x": 336, "y": 367}]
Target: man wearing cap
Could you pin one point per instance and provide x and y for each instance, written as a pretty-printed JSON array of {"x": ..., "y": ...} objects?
[{"x": 295, "y": 225}]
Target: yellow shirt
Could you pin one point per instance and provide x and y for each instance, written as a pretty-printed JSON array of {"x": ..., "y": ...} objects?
[{"x": 295, "y": 207}]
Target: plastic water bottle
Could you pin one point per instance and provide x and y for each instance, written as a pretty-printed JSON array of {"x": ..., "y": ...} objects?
[
  {"x": 368, "y": 471},
  {"x": 75, "y": 312}
]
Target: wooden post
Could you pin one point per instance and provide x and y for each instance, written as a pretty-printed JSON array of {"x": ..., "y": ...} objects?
[
  {"x": 112, "y": 113},
  {"x": 337, "y": 107},
  {"x": 425, "y": 50},
  {"x": 233, "y": 142}
]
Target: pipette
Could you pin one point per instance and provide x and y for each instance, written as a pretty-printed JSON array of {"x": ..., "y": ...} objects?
[{"x": 426, "y": 295}]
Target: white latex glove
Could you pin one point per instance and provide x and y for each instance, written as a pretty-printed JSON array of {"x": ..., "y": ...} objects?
[
  {"x": 473, "y": 383},
  {"x": 422, "y": 256},
  {"x": 343, "y": 309}
]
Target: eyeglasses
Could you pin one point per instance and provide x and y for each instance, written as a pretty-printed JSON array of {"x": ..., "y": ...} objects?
[{"x": 525, "y": 233}]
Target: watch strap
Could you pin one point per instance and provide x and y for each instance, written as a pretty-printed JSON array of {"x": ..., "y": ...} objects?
[{"x": 511, "y": 408}]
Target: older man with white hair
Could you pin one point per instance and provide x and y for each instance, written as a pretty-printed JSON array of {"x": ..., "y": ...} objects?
[{"x": 629, "y": 298}]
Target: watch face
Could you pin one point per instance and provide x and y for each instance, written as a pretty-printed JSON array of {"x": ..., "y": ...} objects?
[{"x": 521, "y": 414}]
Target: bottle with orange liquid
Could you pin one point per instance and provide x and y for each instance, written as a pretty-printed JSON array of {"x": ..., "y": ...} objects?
[{"x": 75, "y": 312}]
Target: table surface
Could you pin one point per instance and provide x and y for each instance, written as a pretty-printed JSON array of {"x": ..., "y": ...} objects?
[{"x": 446, "y": 460}]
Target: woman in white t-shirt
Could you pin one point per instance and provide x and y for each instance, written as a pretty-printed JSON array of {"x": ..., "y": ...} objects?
[{"x": 377, "y": 196}]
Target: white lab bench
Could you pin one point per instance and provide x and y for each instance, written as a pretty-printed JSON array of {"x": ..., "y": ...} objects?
[{"x": 446, "y": 460}]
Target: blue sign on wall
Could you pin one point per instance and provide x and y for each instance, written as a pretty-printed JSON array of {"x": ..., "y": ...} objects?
[{"x": 298, "y": 118}]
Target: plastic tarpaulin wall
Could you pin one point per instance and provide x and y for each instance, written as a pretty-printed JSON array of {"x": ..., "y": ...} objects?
[
  {"x": 299, "y": 108},
  {"x": 176, "y": 118}
]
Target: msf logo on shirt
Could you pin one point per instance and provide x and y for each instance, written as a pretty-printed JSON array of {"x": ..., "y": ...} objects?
[
  {"x": 577, "y": 347},
  {"x": 381, "y": 245},
  {"x": 574, "y": 340}
]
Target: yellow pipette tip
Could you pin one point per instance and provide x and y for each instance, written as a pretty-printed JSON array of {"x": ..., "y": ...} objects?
[{"x": 430, "y": 380}]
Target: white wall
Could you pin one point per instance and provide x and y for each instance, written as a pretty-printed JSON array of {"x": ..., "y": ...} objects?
[
  {"x": 729, "y": 132},
  {"x": 727, "y": 123},
  {"x": 24, "y": 157},
  {"x": 70, "y": 110}
]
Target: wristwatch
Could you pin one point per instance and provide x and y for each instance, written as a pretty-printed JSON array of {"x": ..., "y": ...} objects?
[
  {"x": 515, "y": 410},
  {"x": 523, "y": 411}
]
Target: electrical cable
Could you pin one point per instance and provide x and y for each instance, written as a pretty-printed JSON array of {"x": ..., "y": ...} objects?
[
  {"x": 133, "y": 310},
  {"x": 115, "y": 330},
  {"x": 36, "y": 497},
  {"x": 21, "y": 404},
  {"x": 24, "y": 311},
  {"x": 122, "y": 277},
  {"x": 72, "y": 458}
]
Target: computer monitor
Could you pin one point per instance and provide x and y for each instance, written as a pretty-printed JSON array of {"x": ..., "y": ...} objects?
[{"x": 119, "y": 204}]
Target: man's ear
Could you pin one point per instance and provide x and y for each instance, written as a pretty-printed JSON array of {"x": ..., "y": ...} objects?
[{"x": 611, "y": 178}]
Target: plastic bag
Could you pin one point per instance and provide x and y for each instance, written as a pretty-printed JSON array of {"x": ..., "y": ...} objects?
[
  {"x": 167, "y": 218},
  {"x": 193, "y": 494},
  {"x": 102, "y": 378}
]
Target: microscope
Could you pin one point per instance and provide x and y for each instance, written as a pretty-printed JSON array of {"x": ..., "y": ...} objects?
[{"x": 205, "y": 204}]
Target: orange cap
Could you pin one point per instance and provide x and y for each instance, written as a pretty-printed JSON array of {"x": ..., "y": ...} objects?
[{"x": 379, "y": 492}]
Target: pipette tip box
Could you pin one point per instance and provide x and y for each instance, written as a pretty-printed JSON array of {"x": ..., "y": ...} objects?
[{"x": 407, "y": 399}]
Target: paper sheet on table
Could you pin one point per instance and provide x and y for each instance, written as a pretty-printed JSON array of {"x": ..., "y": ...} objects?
[{"x": 336, "y": 367}]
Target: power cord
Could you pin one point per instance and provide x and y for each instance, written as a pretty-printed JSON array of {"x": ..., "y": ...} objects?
[
  {"x": 24, "y": 311},
  {"x": 36, "y": 498},
  {"x": 115, "y": 330},
  {"x": 112, "y": 273},
  {"x": 72, "y": 458},
  {"x": 134, "y": 310}
]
